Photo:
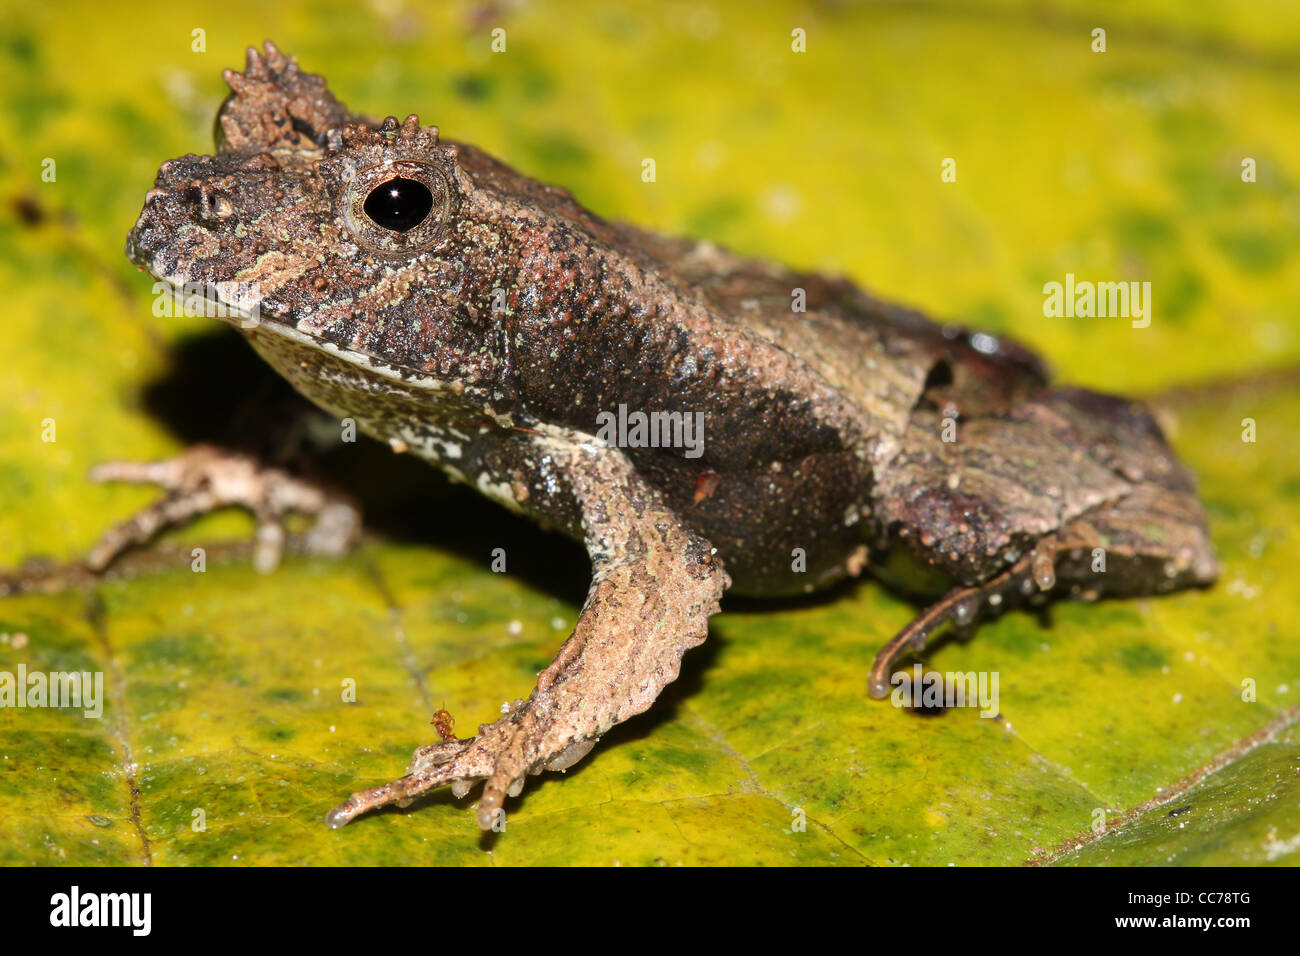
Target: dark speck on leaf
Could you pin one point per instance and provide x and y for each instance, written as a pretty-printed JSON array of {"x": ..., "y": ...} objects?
[
  {"x": 29, "y": 210},
  {"x": 474, "y": 87},
  {"x": 556, "y": 150},
  {"x": 1142, "y": 657}
]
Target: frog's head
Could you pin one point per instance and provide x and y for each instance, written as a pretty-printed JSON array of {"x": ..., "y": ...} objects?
[{"x": 371, "y": 238}]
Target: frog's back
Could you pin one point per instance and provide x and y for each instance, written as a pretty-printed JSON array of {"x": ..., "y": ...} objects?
[{"x": 787, "y": 516}]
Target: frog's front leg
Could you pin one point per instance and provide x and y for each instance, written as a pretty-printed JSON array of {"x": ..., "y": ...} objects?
[
  {"x": 655, "y": 584},
  {"x": 205, "y": 479}
]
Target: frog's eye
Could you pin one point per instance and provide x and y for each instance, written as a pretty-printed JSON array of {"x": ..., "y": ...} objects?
[
  {"x": 397, "y": 208},
  {"x": 399, "y": 204}
]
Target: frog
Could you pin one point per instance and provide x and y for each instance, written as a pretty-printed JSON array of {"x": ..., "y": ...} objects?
[{"x": 490, "y": 324}]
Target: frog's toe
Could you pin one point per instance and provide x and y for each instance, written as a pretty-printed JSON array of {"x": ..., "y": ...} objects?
[
  {"x": 960, "y": 606},
  {"x": 447, "y": 763},
  {"x": 206, "y": 479},
  {"x": 500, "y": 756}
]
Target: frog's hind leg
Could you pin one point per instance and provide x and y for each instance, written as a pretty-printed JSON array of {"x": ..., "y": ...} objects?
[
  {"x": 961, "y": 606},
  {"x": 1151, "y": 541},
  {"x": 655, "y": 584},
  {"x": 206, "y": 479}
]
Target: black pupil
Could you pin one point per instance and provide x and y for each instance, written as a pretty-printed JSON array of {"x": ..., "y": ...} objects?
[{"x": 399, "y": 204}]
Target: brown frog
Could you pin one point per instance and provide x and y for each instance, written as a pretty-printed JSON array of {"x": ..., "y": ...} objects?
[{"x": 701, "y": 421}]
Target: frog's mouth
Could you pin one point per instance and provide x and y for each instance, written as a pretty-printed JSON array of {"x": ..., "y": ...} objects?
[
  {"x": 237, "y": 304},
  {"x": 239, "y": 307}
]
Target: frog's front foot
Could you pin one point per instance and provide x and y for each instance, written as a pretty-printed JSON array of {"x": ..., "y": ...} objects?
[
  {"x": 206, "y": 479},
  {"x": 527, "y": 741},
  {"x": 638, "y": 621},
  {"x": 654, "y": 587}
]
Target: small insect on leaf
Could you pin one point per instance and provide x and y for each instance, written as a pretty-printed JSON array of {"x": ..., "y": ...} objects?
[{"x": 445, "y": 724}]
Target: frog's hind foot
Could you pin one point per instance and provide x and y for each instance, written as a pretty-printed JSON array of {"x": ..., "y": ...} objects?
[
  {"x": 206, "y": 479},
  {"x": 961, "y": 606}
]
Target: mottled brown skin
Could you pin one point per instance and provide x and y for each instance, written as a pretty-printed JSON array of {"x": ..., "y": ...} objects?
[{"x": 824, "y": 429}]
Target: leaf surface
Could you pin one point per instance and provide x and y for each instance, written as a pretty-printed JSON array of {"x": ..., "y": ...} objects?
[{"x": 225, "y": 733}]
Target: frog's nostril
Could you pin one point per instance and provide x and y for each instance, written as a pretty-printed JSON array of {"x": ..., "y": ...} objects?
[{"x": 206, "y": 203}]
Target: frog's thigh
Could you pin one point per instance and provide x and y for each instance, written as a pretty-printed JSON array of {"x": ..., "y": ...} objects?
[
  {"x": 655, "y": 583},
  {"x": 1150, "y": 541}
]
